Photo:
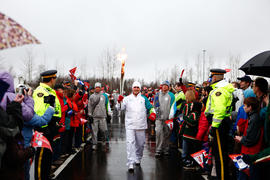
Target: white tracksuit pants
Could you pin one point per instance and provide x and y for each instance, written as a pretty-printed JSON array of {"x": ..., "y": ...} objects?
[{"x": 135, "y": 145}]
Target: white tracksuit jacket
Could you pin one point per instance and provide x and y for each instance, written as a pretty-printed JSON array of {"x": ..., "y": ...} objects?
[{"x": 136, "y": 122}]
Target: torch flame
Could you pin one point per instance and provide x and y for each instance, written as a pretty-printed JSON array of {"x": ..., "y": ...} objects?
[{"x": 122, "y": 56}]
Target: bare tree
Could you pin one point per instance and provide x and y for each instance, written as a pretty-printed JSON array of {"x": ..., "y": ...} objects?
[
  {"x": 28, "y": 65},
  {"x": 234, "y": 62},
  {"x": 174, "y": 74},
  {"x": 108, "y": 63},
  {"x": 198, "y": 68},
  {"x": 83, "y": 66}
]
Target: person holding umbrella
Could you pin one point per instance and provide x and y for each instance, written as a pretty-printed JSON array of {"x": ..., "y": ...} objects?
[{"x": 136, "y": 107}]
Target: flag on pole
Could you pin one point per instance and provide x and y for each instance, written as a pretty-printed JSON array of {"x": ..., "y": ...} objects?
[
  {"x": 73, "y": 70},
  {"x": 38, "y": 140},
  {"x": 182, "y": 73},
  {"x": 83, "y": 121}
]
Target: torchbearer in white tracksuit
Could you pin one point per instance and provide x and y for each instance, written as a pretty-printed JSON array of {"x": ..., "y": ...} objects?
[{"x": 137, "y": 107}]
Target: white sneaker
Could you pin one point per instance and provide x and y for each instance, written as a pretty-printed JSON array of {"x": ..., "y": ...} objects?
[
  {"x": 94, "y": 147},
  {"x": 131, "y": 168}
]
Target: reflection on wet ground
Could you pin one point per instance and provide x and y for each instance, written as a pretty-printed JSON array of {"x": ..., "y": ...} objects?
[{"x": 111, "y": 164}]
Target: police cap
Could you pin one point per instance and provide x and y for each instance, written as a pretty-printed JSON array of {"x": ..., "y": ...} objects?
[
  {"x": 217, "y": 72},
  {"x": 48, "y": 74},
  {"x": 66, "y": 83},
  {"x": 191, "y": 84}
]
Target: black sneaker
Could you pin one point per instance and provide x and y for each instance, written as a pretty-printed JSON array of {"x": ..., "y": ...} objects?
[{"x": 137, "y": 163}]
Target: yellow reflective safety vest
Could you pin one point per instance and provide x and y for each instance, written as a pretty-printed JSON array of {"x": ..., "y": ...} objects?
[
  {"x": 219, "y": 102},
  {"x": 40, "y": 107},
  {"x": 178, "y": 97}
]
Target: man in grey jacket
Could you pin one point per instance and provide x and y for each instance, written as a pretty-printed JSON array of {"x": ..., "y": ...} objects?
[
  {"x": 98, "y": 110},
  {"x": 163, "y": 103}
]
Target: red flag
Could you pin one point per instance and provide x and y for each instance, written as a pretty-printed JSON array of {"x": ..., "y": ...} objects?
[
  {"x": 38, "y": 140},
  {"x": 73, "y": 78},
  {"x": 228, "y": 70},
  {"x": 83, "y": 121},
  {"x": 73, "y": 70},
  {"x": 182, "y": 73}
]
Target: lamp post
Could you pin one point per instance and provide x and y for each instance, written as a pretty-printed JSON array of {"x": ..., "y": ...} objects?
[{"x": 204, "y": 64}]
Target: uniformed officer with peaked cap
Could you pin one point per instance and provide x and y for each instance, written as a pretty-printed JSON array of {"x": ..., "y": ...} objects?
[
  {"x": 218, "y": 111},
  {"x": 44, "y": 96}
]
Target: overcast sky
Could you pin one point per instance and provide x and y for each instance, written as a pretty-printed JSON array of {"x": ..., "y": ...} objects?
[{"x": 156, "y": 34}]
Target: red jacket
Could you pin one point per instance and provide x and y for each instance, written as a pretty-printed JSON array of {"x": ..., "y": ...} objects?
[
  {"x": 202, "y": 134},
  {"x": 254, "y": 149},
  {"x": 63, "y": 110},
  {"x": 81, "y": 101},
  {"x": 74, "y": 120}
]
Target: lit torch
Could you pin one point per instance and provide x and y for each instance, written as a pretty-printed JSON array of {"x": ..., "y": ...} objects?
[{"x": 122, "y": 56}]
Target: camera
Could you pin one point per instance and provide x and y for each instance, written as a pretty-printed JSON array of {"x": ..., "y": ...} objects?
[
  {"x": 21, "y": 88},
  {"x": 49, "y": 99}
]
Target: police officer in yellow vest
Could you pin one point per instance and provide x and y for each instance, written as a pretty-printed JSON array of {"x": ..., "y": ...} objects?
[
  {"x": 44, "y": 96},
  {"x": 218, "y": 111}
]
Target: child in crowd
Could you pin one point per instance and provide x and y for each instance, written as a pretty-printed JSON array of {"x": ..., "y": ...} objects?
[
  {"x": 251, "y": 135},
  {"x": 191, "y": 115}
]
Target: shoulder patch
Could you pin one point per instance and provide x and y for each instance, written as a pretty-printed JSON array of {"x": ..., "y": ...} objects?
[
  {"x": 218, "y": 93},
  {"x": 40, "y": 94}
]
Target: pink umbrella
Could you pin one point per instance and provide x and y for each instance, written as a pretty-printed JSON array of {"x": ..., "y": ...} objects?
[{"x": 13, "y": 34}]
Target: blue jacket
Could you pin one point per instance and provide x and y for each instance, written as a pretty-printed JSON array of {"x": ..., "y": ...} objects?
[
  {"x": 36, "y": 121},
  {"x": 241, "y": 115}
]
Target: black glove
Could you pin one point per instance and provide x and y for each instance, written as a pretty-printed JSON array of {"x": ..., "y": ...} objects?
[
  {"x": 81, "y": 92},
  {"x": 212, "y": 131},
  {"x": 181, "y": 81},
  {"x": 90, "y": 119},
  {"x": 49, "y": 100}
]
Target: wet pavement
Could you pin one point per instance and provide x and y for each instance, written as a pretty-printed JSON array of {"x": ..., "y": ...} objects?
[{"x": 105, "y": 164}]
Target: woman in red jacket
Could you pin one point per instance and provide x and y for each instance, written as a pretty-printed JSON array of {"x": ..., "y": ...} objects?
[{"x": 72, "y": 115}]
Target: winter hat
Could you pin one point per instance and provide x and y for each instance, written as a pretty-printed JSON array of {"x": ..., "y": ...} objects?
[
  {"x": 98, "y": 84},
  {"x": 249, "y": 93},
  {"x": 166, "y": 83},
  {"x": 136, "y": 84}
]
